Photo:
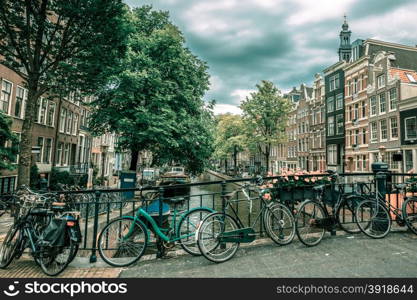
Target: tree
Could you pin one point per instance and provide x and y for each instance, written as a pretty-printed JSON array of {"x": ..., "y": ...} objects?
[
  {"x": 8, "y": 144},
  {"x": 53, "y": 44},
  {"x": 155, "y": 103},
  {"x": 229, "y": 137},
  {"x": 265, "y": 114}
]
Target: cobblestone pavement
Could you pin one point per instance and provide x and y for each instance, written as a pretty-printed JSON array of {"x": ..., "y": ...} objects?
[
  {"x": 26, "y": 268},
  {"x": 339, "y": 256}
]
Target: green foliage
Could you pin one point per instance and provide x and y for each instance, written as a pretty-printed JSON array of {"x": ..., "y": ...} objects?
[
  {"x": 155, "y": 102},
  {"x": 59, "y": 177},
  {"x": 265, "y": 115},
  {"x": 8, "y": 143},
  {"x": 229, "y": 136}
]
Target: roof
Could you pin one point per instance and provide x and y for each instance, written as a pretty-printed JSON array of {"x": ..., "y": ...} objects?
[
  {"x": 405, "y": 56},
  {"x": 402, "y": 75}
]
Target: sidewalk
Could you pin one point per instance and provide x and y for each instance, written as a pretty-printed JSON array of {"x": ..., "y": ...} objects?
[{"x": 340, "y": 256}]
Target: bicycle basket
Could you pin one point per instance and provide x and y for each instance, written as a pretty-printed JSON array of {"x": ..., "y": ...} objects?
[{"x": 29, "y": 201}]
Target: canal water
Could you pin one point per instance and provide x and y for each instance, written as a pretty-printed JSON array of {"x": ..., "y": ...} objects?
[{"x": 210, "y": 196}]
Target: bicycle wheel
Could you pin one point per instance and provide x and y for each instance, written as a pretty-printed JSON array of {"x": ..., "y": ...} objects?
[
  {"x": 346, "y": 214},
  {"x": 279, "y": 223},
  {"x": 410, "y": 213},
  {"x": 54, "y": 260},
  {"x": 308, "y": 216},
  {"x": 9, "y": 246},
  {"x": 187, "y": 228},
  {"x": 209, "y": 237},
  {"x": 122, "y": 242},
  {"x": 373, "y": 219}
]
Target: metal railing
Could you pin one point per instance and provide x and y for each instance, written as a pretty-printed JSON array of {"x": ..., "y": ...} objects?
[{"x": 98, "y": 207}]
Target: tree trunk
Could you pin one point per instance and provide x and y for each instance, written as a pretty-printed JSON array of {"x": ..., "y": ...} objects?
[
  {"x": 235, "y": 159},
  {"x": 267, "y": 150},
  {"x": 25, "y": 146},
  {"x": 134, "y": 159},
  {"x": 225, "y": 165}
]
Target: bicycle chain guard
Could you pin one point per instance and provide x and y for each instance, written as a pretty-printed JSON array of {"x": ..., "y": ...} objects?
[{"x": 242, "y": 235}]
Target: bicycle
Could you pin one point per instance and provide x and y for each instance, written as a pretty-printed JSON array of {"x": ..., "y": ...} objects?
[
  {"x": 29, "y": 231},
  {"x": 123, "y": 241},
  {"x": 220, "y": 234},
  {"x": 313, "y": 217},
  {"x": 375, "y": 219}
]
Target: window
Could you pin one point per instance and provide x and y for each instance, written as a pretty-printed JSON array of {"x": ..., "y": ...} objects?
[
  {"x": 358, "y": 163},
  {"x": 334, "y": 82},
  {"x": 19, "y": 138},
  {"x": 39, "y": 155},
  {"x": 381, "y": 81},
  {"x": 6, "y": 94},
  {"x": 339, "y": 124},
  {"x": 63, "y": 120},
  {"x": 363, "y": 109},
  {"x": 355, "y": 86},
  {"x": 58, "y": 159},
  {"x": 408, "y": 154},
  {"x": 348, "y": 90},
  {"x": 374, "y": 132},
  {"x": 21, "y": 97},
  {"x": 42, "y": 111},
  {"x": 75, "y": 126},
  {"x": 410, "y": 77},
  {"x": 69, "y": 122},
  {"x": 382, "y": 103},
  {"x": 50, "y": 118},
  {"x": 330, "y": 104},
  {"x": 356, "y": 111},
  {"x": 394, "y": 128},
  {"x": 364, "y": 162},
  {"x": 364, "y": 136},
  {"x": 383, "y": 128},
  {"x": 339, "y": 101},
  {"x": 411, "y": 128},
  {"x": 332, "y": 154},
  {"x": 47, "y": 151},
  {"x": 66, "y": 154},
  {"x": 330, "y": 126},
  {"x": 356, "y": 138},
  {"x": 393, "y": 99},
  {"x": 373, "y": 106}
]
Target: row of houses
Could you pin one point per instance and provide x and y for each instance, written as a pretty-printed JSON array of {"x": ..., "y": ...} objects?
[
  {"x": 61, "y": 137},
  {"x": 359, "y": 110}
]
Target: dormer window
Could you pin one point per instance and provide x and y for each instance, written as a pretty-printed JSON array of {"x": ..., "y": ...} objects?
[
  {"x": 381, "y": 81},
  {"x": 410, "y": 77}
]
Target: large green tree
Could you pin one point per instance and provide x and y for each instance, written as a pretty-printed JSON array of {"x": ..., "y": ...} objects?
[
  {"x": 8, "y": 143},
  {"x": 155, "y": 103},
  {"x": 265, "y": 115},
  {"x": 53, "y": 44},
  {"x": 230, "y": 138}
]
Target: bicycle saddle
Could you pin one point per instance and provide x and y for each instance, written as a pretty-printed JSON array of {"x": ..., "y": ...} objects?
[{"x": 400, "y": 186}]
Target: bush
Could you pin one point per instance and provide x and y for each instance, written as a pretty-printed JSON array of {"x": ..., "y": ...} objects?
[{"x": 60, "y": 177}]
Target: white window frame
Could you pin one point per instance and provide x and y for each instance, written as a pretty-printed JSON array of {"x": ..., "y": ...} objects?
[
  {"x": 385, "y": 103},
  {"x": 330, "y": 121},
  {"x": 24, "y": 102},
  {"x": 391, "y": 101},
  {"x": 374, "y": 132},
  {"x": 381, "y": 130},
  {"x": 380, "y": 81},
  {"x": 391, "y": 128},
  {"x": 10, "y": 96},
  {"x": 373, "y": 105},
  {"x": 406, "y": 131}
]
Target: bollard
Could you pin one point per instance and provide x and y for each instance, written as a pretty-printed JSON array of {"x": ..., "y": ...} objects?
[
  {"x": 333, "y": 194},
  {"x": 93, "y": 256},
  {"x": 381, "y": 184},
  {"x": 159, "y": 244}
]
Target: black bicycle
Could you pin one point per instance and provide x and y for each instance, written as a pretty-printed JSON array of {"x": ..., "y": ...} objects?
[
  {"x": 314, "y": 217},
  {"x": 374, "y": 213},
  {"x": 52, "y": 235},
  {"x": 220, "y": 234}
]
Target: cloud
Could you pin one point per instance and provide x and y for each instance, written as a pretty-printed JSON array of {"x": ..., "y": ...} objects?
[
  {"x": 284, "y": 41},
  {"x": 226, "y": 108}
]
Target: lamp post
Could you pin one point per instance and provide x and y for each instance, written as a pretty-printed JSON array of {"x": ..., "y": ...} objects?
[{"x": 103, "y": 160}]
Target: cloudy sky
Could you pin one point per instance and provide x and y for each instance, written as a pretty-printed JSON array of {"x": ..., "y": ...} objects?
[{"x": 285, "y": 41}]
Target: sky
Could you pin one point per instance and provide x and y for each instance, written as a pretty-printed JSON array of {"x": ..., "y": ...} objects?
[{"x": 284, "y": 41}]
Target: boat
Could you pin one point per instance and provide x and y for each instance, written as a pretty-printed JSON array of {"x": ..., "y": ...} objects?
[{"x": 175, "y": 176}]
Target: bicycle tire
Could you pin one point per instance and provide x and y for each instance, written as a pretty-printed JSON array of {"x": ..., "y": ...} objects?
[
  {"x": 347, "y": 221},
  {"x": 307, "y": 216},
  {"x": 9, "y": 246},
  {"x": 117, "y": 259},
  {"x": 409, "y": 212},
  {"x": 278, "y": 216},
  {"x": 373, "y": 219},
  {"x": 214, "y": 251},
  {"x": 58, "y": 262},
  {"x": 189, "y": 227}
]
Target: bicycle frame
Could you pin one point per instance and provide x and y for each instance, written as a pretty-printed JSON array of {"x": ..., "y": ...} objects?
[{"x": 160, "y": 231}]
